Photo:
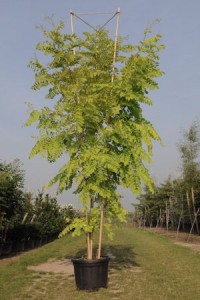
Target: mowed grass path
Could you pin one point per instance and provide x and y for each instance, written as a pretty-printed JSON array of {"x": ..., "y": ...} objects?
[{"x": 144, "y": 266}]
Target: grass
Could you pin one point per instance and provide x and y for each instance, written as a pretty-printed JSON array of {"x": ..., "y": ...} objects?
[{"x": 144, "y": 266}]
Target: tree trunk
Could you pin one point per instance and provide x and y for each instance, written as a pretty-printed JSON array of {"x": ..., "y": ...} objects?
[
  {"x": 167, "y": 217},
  {"x": 188, "y": 203},
  {"x": 179, "y": 223}
]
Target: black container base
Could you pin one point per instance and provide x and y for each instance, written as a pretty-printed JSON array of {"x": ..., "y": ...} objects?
[{"x": 91, "y": 275}]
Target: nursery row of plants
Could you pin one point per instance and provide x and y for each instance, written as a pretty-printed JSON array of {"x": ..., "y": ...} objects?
[
  {"x": 175, "y": 203},
  {"x": 26, "y": 220}
]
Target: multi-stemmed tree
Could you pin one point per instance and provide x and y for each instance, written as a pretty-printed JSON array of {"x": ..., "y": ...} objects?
[{"x": 96, "y": 121}]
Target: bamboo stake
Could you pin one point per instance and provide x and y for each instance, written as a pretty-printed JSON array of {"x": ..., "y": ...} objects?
[
  {"x": 88, "y": 247},
  {"x": 74, "y": 50},
  {"x": 195, "y": 218},
  {"x": 115, "y": 44},
  {"x": 116, "y": 32},
  {"x": 100, "y": 230},
  {"x": 72, "y": 27},
  {"x": 90, "y": 234},
  {"x": 193, "y": 203},
  {"x": 90, "y": 244},
  {"x": 89, "y": 254}
]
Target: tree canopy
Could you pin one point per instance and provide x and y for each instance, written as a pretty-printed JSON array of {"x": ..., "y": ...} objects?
[
  {"x": 96, "y": 121},
  {"x": 11, "y": 188}
]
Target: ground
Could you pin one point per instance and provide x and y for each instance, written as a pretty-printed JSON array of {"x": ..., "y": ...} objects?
[
  {"x": 65, "y": 266},
  {"x": 182, "y": 238}
]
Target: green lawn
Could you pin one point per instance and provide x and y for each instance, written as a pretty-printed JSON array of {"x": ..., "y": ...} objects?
[{"x": 146, "y": 266}]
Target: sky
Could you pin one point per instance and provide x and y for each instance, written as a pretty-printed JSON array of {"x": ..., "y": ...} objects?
[{"x": 176, "y": 103}]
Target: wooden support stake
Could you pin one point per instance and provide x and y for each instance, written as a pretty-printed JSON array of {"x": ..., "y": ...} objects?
[
  {"x": 195, "y": 218},
  {"x": 194, "y": 209},
  {"x": 100, "y": 230},
  {"x": 115, "y": 44},
  {"x": 72, "y": 27},
  {"x": 89, "y": 253}
]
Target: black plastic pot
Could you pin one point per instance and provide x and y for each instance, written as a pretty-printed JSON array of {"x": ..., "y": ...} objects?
[{"x": 91, "y": 274}]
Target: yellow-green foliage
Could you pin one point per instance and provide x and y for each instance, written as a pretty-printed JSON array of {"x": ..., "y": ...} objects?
[{"x": 99, "y": 124}]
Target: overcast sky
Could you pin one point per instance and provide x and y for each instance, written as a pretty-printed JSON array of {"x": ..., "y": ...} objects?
[{"x": 176, "y": 103}]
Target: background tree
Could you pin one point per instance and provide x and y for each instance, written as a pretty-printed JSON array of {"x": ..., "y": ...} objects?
[
  {"x": 189, "y": 148},
  {"x": 176, "y": 201},
  {"x": 11, "y": 195},
  {"x": 49, "y": 217}
]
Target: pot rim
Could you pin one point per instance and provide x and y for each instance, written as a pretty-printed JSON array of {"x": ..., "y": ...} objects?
[{"x": 95, "y": 260}]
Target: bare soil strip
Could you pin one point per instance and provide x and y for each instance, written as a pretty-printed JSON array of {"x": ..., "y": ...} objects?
[
  {"x": 181, "y": 239},
  {"x": 58, "y": 266}
]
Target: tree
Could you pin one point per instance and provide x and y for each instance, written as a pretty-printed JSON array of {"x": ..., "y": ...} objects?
[
  {"x": 11, "y": 194},
  {"x": 189, "y": 148},
  {"x": 49, "y": 218},
  {"x": 98, "y": 123}
]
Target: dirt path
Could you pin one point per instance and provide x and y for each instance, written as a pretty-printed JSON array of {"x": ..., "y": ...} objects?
[
  {"x": 180, "y": 239},
  {"x": 9, "y": 260},
  {"x": 56, "y": 266},
  {"x": 51, "y": 266}
]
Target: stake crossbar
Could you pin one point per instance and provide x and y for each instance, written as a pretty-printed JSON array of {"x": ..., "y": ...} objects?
[
  {"x": 94, "y": 13},
  {"x": 117, "y": 13}
]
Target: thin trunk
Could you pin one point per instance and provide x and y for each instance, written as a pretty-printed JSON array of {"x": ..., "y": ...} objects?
[
  {"x": 144, "y": 220},
  {"x": 179, "y": 223},
  {"x": 160, "y": 218},
  {"x": 149, "y": 217},
  {"x": 193, "y": 203},
  {"x": 167, "y": 217},
  {"x": 24, "y": 218},
  {"x": 100, "y": 230},
  {"x": 188, "y": 203},
  {"x": 157, "y": 220}
]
